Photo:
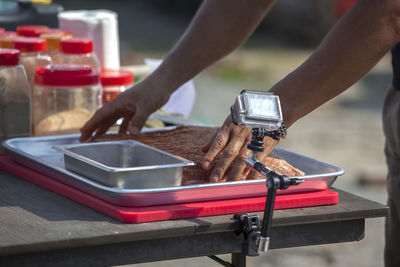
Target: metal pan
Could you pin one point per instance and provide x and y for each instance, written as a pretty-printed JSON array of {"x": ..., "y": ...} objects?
[
  {"x": 38, "y": 153},
  {"x": 124, "y": 164}
]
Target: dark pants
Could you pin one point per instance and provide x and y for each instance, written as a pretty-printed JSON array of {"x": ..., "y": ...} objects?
[{"x": 391, "y": 127}]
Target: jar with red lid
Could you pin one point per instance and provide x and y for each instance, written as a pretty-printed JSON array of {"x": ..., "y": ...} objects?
[
  {"x": 53, "y": 39},
  {"x": 64, "y": 97},
  {"x": 32, "y": 54},
  {"x": 31, "y": 30},
  {"x": 6, "y": 39},
  {"x": 14, "y": 97},
  {"x": 114, "y": 82},
  {"x": 79, "y": 51}
]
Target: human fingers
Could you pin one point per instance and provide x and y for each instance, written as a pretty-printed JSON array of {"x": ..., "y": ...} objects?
[
  {"x": 137, "y": 121},
  {"x": 101, "y": 115},
  {"x": 103, "y": 128},
  {"x": 217, "y": 145},
  {"x": 229, "y": 154},
  {"x": 208, "y": 145},
  {"x": 123, "y": 128},
  {"x": 239, "y": 170}
]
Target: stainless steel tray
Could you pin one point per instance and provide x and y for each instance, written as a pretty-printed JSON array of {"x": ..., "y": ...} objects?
[
  {"x": 38, "y": 153},
  {"x": 124, "y": 164}
]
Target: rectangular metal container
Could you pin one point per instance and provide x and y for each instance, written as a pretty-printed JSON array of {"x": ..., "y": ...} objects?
[
  {"x": 38, "y": 153},
  {"x": 124, "y": 164}
]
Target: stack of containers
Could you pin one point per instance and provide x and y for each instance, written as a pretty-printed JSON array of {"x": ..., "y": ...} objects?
[
  {"x": 64, "y": 77},
  {"x": 65, "y": 96}
]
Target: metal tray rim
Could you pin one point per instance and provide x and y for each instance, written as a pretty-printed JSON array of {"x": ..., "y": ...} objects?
[{"x": 8, "y": 144}]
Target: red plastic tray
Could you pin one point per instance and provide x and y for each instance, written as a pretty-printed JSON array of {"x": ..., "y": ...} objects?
[{"x": 168, "y": 212}]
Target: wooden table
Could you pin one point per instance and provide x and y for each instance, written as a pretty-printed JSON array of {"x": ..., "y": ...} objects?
[{"x": 41, "y": 228}]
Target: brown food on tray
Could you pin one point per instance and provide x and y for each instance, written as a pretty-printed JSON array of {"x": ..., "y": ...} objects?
[{"x": 187, "y": 142}]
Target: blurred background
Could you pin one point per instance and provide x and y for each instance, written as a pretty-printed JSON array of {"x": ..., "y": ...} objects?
[{"x": 346, "y": 131}]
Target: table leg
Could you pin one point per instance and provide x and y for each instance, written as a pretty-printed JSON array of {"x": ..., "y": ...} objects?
[{"x": 238, "y": 259}]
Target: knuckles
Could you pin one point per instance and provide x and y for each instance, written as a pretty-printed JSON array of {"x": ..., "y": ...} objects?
[{"x": 229, "y": 153}]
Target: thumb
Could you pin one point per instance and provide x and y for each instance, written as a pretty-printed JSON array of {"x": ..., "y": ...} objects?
[{"x": 137, "y": 122}]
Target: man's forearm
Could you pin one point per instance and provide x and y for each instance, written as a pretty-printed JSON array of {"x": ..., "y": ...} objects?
[
  {"x": 219, "y": 27},
  {"x": 347, "y": 53}
]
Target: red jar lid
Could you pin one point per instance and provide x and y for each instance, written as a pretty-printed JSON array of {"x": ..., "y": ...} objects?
[
  {"x": 66, "y": 75},
  {"x": 116, "y": 77},
  {"x": 9, "y": 57},
  {"x": 29, "y": 44},
  {"x": 31, "y": 30},
  {"x": 2, "y": 30},
  {"x": 8, "y": 34},
  {"x": 76, "y": 46}
]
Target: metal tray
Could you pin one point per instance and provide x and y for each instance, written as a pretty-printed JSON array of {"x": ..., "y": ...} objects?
[
  {"x": 124, "y": 164},
  {"x": 38, "y": 153}
]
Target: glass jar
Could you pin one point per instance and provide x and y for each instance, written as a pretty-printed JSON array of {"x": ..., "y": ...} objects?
[
  {"x": 64, "y": 97},
  {"x": 114, "y": 82},
  {"x": 14, "y": 97},
  {"x": 31, "y": 55},
  {"x": 6, "y": 39},
  {"x": 79, "y": 51}
]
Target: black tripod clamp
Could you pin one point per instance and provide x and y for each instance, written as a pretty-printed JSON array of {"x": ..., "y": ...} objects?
[{"x": 256, "y": 237}]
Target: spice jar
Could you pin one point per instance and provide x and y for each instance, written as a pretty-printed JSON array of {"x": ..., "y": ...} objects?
[
  {"x": 114, "y": 82},
  {"x": 31, "y": 30},
  {"x": 6, "y": 39},
  {"x": 64, "y": 97},
  {"x": 14, "y": 97},
  {"x": 31, "y": 55},
  {"x": 53, "y": 38},
  {"x": 79, "y": 51}
]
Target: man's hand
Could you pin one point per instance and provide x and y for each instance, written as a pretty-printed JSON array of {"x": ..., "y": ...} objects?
[
  {"x": 134, "y": 106},
  {"x": 231, "y": 144}
]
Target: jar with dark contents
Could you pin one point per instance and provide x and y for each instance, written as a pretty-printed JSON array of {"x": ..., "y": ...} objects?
[
  {"x": 14, "y": 97},
  {"x": 114, "y": 82},
  {"x": 64, "y": 97},
  {"x": 32, "y": 54}
]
